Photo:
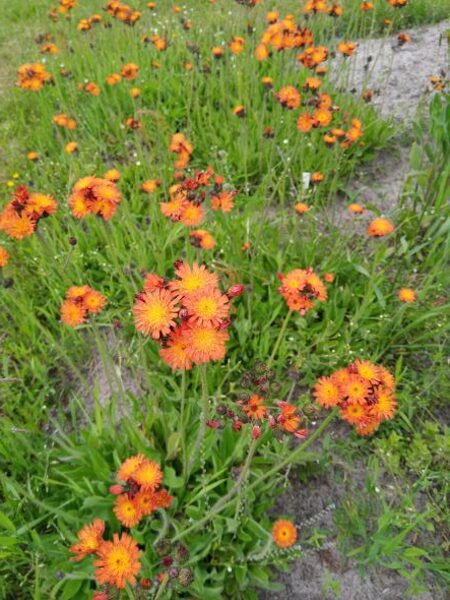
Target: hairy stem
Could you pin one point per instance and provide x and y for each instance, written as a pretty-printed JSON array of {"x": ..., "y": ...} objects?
[
  {"x": 230, "y": 497},
  {"x": 279, "y": 338}
]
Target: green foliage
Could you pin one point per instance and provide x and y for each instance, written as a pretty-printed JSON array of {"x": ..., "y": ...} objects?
[{"x": 75, "y": 404}]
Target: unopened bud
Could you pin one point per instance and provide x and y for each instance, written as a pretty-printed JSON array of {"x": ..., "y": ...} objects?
[
  {"x": 256, "y": 432},
  {"x": 116, "y": 489},
  {"x": 236, "y": 290}
]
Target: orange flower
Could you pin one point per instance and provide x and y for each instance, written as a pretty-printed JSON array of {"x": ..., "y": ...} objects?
[
  {"x": 180, "y": 145},
  {"x": 240, "y": 111},
  {"x": 63, "y": 120},
  {"x": 355, "y": 208},
  {"x": 129, "y": 71},
  {"x": 284, "y": 533},
  {"x": 96, "y": 196},
  {"x": 223, "y": 201},
  {"x": 346, "y": 48},
  {"x": 300, "y": 288},
  {"x": 145, "y": 502},
  {"x": 154, "y": 313},
  {"x": 289, "y": 97},
  {"x": 21, "y": 215},
  {"x": 302, "y": 208},
  {"x": 192, "y": 279},
  {"x": 192, "y": 214},
  {"x": 32, "y": 156},
  {"x": 113, "y": 79},
  {"x": 385, "y": 406},
  {"x": 89, "y": 540},
  {"x": 237, "y": 44},
  {"x": 118, "y": 561},
  {"x": 33, "y": 76},
  {"x": 354, "y": 413},
  {"x": 305, "y": 122},
  {"x": 202, "y": 239},
  {"x": 254, "y": 408},
  {"x": 328, "y": 277},
  {"x": 207, "y": 307},
  {"x": 355, "y": 390},
  {"x": 363, "y": 391},
  {"x": 127, "y": 511},
  {"x": 407, "y": 295},
  {"x": 79, "y": 303},
  {"x": 327, "y": 392},
  {"x": 72, "y": 314},
  {"x": 92, "y": 88},
  {"x": 289, "y": 419},
  {"x": 322, "y": 117},
  {"x": 4, "y": 257},
  {"x": 150, "y": 185},
  {"x": 129, "y": 467},
  {"x": 71, "y": 147},
  {"x": 175, "y": 353},
  {"x": 205, "y": 344},
  {"x": 148, "y": 475},
  {"x": 112, "y": 175},
  {"x": 380, "y": 227}
]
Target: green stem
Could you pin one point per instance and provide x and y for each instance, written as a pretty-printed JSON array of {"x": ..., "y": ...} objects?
[
  {"x": 162, "y": 587},
  {"x": 229, "y": 498},
  {"x": 182, "y": 424},
  {"x": 279, "y": 338},
  {"x": 203, "y": 420}
]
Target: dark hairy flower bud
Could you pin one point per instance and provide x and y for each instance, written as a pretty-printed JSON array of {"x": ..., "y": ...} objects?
[
  {"x": 162, "y": 547},
  {"x": 73, "y": 241},
  {"x": 185, "y": 577},
  {"x": 181, "y": 553}
]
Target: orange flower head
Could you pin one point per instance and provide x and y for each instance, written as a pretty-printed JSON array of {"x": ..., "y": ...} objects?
[
  {"x": 73, "y": 313},
  {"x": 356, "y": 389},
  {"x": 175, "y": 352},
  {"x": 129, "y": 467},
  {"x": 355, "y": 208},
  {"x": 284, "y": 533},
  {"x": 380, "y": 227},
  {"x": 302, "y": 208},
  {"x": 127, "y": 510},
  {"x": 207, "y": 307},
  {"x": 192, "y": 279},
  {"x": 4, "y": 257},
  {"x": 145, "y": 502},
  {"x": 254, "y": 408},
  {"x": 118, "y": 561},
  {"x": 407, "y": 295},
  {"x": 150, "y": 185},
  {"x": 192, "y": 214},
  {"x": 289, "y": 97},
  {"x": 148, "y": 475},
  {"x": 129, "y": 71},
  {"x": 89, "y": 540},
  {"x": 327, "y": 392},
  {"x": 205, "y": 344},
  {"x": 154, "y": 313}
]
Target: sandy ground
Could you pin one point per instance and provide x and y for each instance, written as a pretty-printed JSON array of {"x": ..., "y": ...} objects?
[{"x": 398, "y": 75}]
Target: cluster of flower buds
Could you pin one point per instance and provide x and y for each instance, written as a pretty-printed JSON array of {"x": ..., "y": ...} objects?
[{"x": 282, "y": 417}]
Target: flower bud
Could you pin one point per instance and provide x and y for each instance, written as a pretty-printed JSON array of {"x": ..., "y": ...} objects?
[
  {"x": 236, "y": 290},
  {"x": 116, "y": 489},
  {"x": 256, "y": 432},
  {"x": 185, "y": 577}
]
